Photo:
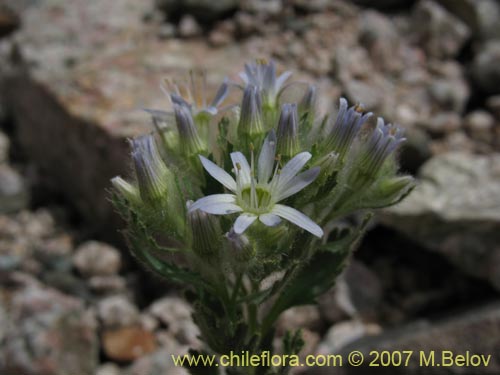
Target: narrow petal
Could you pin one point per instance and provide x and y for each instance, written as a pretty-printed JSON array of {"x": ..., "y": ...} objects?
[
  {"x": 241, "y": 167},
  {"x": 161, "y": 115},
  {"x": 282, "y": 79},
  {"x": 218, "y": 173},
  {"x": 269, "y": 77},
  {"x": 244, "y": 77},
  {"x": 216, "y": 204},
  {"x": 221, "y": 94},
  {"x": 243, "y": 222},
  {"x": 298, "y": 183},
  {"x": 179, "y": 100},
  {"x": 266, "y": 157},
  {"x": 292, "y": 168},
  {"x": 270, "y": 220},
  {"x": 297, "y": 218}
]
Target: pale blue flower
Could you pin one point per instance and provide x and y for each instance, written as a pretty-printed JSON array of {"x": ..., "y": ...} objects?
[
  {"x": 256, "y": 196},
  {"x": 251, "y": 112},
  {"x": 384, "y": 140},
  {"x": 288, "y": 130},
  {"x": 341, "y": 132},
  {"x": 262, "y": 74},
  {"x": 192, "y": 94}
]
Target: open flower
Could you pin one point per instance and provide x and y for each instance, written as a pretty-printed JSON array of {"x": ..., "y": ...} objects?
[
  {"x": 192, "y": 94},
  {"x": 262, "y": 74},
  {"x": 256, "y": 196}
]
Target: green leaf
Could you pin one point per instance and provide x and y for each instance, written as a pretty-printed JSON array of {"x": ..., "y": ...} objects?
[
  {"x": 293, "y": 343},
  {"x": 318, "y": 275}
]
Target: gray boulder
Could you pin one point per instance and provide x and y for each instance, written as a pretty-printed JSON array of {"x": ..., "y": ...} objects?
[
  {"x": 456, "y": 211},
  {"x": 485, "y": 69},
  {"x": 440, "y": 33},
  {"x": 476, "y": 332},
  {"x": 203, "y": 10},
  {"x": 480, "y": 15}
]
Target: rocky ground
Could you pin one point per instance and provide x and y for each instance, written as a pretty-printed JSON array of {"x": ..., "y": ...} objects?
[{"x": 74, "y": 73}]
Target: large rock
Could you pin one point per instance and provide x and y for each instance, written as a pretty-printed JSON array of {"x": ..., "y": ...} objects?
[
  {"x": 356, "y": 294},
  {"x": 485, "y": 68},
  {"x": 480, "y": 15},
  {"x": 385, "y": 4},
  {"x": 474, "y": 332},
  {"x": 4, "y": 147},
  {"x": 88, "y": 69},
  {"x": 204, "y": 10},
  {"x": 46, "y": 332},
  {"x": 455, "y": 211},
  {"x": 441, "y": 34}
]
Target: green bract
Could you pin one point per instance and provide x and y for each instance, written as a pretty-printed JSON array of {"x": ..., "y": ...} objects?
[{"x": 215, "y": 181}]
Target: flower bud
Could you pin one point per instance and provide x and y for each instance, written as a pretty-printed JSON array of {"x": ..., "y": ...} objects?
[
  {"x": 342, "y": 133},
  {"x": 288, "y": 129},
  {"x": 308, "y": 102},
  {"x": 373, "y": 153},
  {"x": 190, "y": 141},
  {"x": 126, "y": 189},
  {"x": 328, "y": 164},
  {"x": 382, "y": 142},
  {"x": 251, "y": 113},
  {"x": 391, "y": 189},
  {"x": 205, "y": 232},
  {"x": 152, "y": 173},
  {"x": 239, "y": 246}
]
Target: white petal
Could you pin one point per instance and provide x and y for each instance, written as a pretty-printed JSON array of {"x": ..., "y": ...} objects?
[
  {"x": 282, "y": 79},
  {"x": 292, "y": 168},
  {"x": 243, "y": 222},
  {"x": 266, "y": 157},
  {"x": 270, "y": 220},
  {"x": 269, "y": 77},
  {"x": 244, "y": 77},
  {"x": 216, "y": 204},
  {"x": 298, "y": 183},
  {"x": 211, "y": 110},
  {"x": 244, "y": 169},
  {"x": 297, "y": 218},
  {"x": 218, "y": 173},
  {"x": 221, "y": 93}
]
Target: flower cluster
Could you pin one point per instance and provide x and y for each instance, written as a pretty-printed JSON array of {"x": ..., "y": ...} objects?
[{"x": 243, "y": 192}]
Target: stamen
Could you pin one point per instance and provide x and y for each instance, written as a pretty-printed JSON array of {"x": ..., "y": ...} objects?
[
  {"x": 359, "y": 108},
  {"x": 253, "y": 192},
  {"x": 275, "y": 179}
]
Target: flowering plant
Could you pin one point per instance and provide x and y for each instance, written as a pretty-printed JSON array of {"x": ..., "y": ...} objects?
[{"x": 255, "y": 207}]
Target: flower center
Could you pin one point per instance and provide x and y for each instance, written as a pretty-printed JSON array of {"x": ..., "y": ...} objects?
[{"x": 255, "y": 199}]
